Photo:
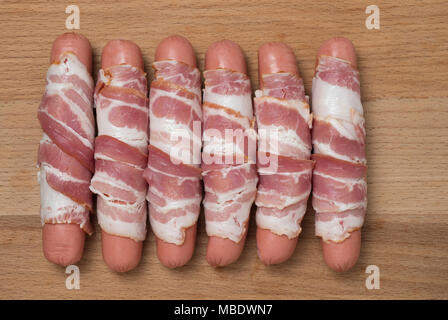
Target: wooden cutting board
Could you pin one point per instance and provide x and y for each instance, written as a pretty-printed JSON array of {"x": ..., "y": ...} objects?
[{"x": 404, "y": 72}]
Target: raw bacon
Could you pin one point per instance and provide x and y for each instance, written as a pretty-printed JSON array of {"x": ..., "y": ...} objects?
[
  {"x": 339, "y": 178},
  {"x": 229, "y": 157},
  {"x": 173, "y": 172},
  {"x": 121, "y": 151},
  {"x": 284, "y": 147},
  {"x": 65, "y": 155}
]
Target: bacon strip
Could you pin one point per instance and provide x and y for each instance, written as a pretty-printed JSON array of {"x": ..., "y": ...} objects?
[
  {"x": 228, "y": 157},
  {"x": 339, "y": 178},
  {"x": 121, "y": 151},
  {"x": 284, "y": 147},
  {"x": 65, "y": 155},
  {"x": 173, "y": 172}
]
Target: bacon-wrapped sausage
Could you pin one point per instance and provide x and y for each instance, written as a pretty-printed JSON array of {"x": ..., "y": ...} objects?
[
  {"x": 228, "y": 158},
  {"x": 65, "y": 156},
  {"x": 284, "y": 148},
  {"x": 339, "y": 177},
  {"x": 173, "y": 173},
  {"x": 121, "y": 154}
]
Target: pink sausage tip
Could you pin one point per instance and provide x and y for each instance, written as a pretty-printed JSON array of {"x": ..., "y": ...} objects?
[
  {"x": 176, "y": 48},
  {"x": 121, "y": 52},
  {"x": 339, "y": 47},
  {"x": 174, "y": 256},
  {"x": 63, "y": 244},
  {"x": 272, "y": 248},
  {"x": 75, "y": 43},
  {"x": 225, "y": 54},
  {"x": 342, "y": 256},
  {"x": 119, "y": 253},
  {"x": 274, "y": 57},
  {"x": 222, "y": 252}
]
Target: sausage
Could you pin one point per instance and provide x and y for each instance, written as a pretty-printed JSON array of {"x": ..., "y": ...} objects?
[
  {"x": 275, "y": 57},
  {"x": 121, "y": 52},
  {"x": 62, "y": 241},
  {"x": 174, "y": 60},
  {"x": 343, "y": 255},
  {"x": 225, "y": 54},
  {"x": 122, "y": 253},
  {"x": 76, "y": 43},
  {"x": 277, "y": 237},
  {"x": 176, "y": 48},
  {"x": 222, "y": 250},
  {"x": 339, "y": 47}
]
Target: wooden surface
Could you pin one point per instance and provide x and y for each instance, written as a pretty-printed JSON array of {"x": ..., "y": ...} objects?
[{"x": 404, "y": 74}]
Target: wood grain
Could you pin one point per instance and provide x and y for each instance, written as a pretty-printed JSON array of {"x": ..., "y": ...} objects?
[{"x": 404, "y": 87}]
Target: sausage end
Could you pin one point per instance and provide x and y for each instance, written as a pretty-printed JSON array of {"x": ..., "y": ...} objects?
[
  {"x": 342, "y": 256},
  {"x": 274, "y": 57},
  {"x": 174, "y": 256},
  {"x": 73, "y": 42},
  {"x": 121, "y": 52},
  {"x": 63, "y": 244},
  {"x": 222, "y": 252},
  {"x": 225, "y": 54},
  {"x": 119, "y": 253},
  {"x": 176, "y": 48},
  {"x": 272, "y": 248},
  {"x": 339, "y": 47}
]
